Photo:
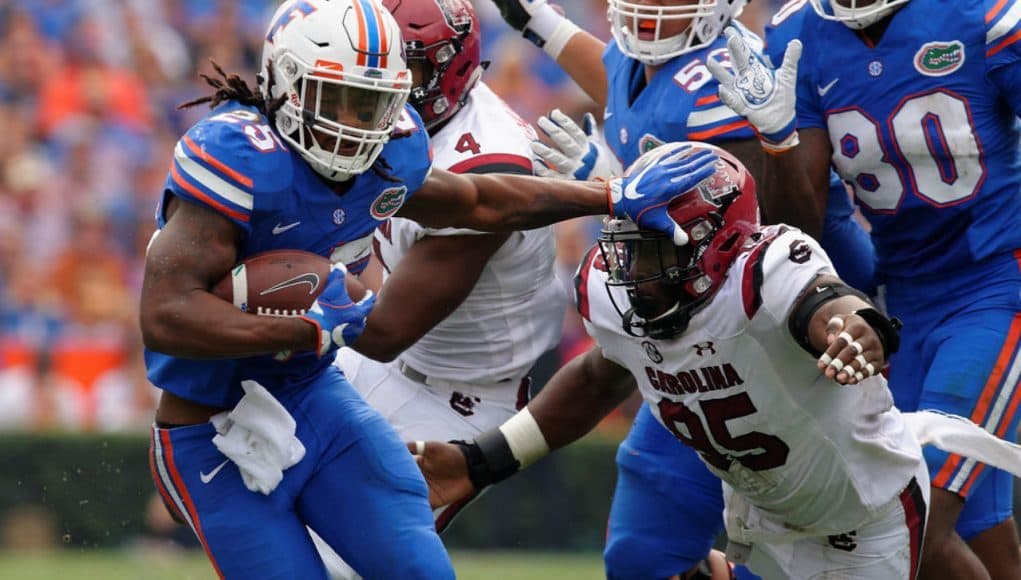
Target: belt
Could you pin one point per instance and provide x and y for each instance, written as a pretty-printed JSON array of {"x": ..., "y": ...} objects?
[
  {"x": 411, "y": 373},
  {"x": 420, "y": 377},
  {"x": 521, "y": 398}
]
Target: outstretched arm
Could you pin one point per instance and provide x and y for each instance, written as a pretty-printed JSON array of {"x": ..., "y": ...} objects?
[
  {"x": 499, "y": 203},
  {"x": 577, "y": 397}
]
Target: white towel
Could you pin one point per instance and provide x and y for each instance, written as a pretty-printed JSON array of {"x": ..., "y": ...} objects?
[
  {"x": 959, "y": 435},
  {"x": 258, "y": 436}
]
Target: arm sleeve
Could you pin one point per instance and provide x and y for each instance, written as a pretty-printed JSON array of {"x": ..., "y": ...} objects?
[
  {"x": 220, "y": 164},
  {"x": 1003, "y": 49}
]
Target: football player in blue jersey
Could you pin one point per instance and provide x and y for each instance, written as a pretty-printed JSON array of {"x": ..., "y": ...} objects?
[
  {"x": 324, "y": 152},
  {"x": 916, "y": 105},
  {"x": 654, "y": 86}
]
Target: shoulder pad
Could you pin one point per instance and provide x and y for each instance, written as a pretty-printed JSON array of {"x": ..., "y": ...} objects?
[
  {"x": 779, "y": 263},
  {"x": 228, "y": 160},
  {"x": 408, "y": 154},
  {"x": 784, "y": 27}
]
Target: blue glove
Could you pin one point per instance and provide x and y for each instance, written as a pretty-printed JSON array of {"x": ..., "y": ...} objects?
[
  {"x": 338, "y": 321},
  {"x": 578, "y": 155},
  {"x": 645, "y": 197},
  {"x": 764, "y": 96}
]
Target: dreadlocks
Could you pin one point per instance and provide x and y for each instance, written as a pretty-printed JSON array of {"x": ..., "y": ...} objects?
[{"x": 231, "y": 87}]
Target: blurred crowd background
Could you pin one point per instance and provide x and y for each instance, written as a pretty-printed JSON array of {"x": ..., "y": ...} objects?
[{"x": 88, "y": 119}]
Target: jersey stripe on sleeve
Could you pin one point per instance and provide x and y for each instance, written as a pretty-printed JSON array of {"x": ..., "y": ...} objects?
[
  {"x": 711, "y": 118},
  {"x": 1002, "y": 22},
  {"x": 225, "y": 190}
]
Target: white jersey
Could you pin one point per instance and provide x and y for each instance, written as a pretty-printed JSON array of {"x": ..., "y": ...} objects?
[
  {"x": 515, "y": 311},
  {"x": 804, "y": 455}
]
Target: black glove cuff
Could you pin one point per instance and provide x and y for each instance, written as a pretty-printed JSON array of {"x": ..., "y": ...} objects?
[
  {"x": 886, "y": 328},
  {"x": 489, "y": 459}
]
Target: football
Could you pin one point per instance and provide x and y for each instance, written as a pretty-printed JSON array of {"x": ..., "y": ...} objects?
[{"x": 280, "y": 283}]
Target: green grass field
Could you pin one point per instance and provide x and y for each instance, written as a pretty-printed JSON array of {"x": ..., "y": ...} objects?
[{"x": 66, "y": 564}]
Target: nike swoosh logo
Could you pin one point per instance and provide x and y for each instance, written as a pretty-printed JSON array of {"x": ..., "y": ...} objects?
[
  {"x": 309, "y": 278},
  {"x": 279, "y": 229},
  {"x": 823, "y": 89},
  {"x": 607, "y": 114},
  {"x": 207, "y": 477}
]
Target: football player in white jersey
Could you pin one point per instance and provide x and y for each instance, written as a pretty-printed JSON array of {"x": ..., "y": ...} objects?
[
  {"x": 463, "y": 314},
  {"x": 725, "y": 336}
]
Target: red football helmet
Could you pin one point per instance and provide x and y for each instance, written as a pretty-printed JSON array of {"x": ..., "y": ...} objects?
[
  {"x": 441, "y": 38},
  {"x": 665, "y": 283}
]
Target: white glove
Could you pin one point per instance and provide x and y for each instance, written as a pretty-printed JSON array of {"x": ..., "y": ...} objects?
[
  {"x": 764, "y": 96},
  {"x": 578, "y": 155}
]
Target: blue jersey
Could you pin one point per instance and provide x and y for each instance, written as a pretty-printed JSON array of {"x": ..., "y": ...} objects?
[
  {"x": 923, "y": 125},
  {"x": 232, "y": 162},
  {"x": 679, "y": 103}
]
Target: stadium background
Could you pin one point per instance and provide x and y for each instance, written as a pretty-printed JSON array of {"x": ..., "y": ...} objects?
[{"x": 88, "y": 118}]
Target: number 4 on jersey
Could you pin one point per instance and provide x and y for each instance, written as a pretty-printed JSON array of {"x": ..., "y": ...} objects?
[{"x": 465, "y": 143}]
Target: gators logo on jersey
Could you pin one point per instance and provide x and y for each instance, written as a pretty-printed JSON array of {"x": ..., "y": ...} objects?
[
  {"x": 648, "y": 142},
  {"x": 936, "y": 59},
  {"x": 388, "y": 202}
]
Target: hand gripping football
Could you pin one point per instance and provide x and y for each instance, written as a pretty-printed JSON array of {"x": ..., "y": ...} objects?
[{"x": 280, "y": 283}]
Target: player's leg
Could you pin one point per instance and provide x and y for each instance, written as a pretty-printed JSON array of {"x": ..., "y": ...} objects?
[
  {"x": 991, "y": 532},
  {"x": 245, "y": 534},
  {"x": 667, "y": 507},
  {"x": 969, "y": 349},
  {"x": 367, "y": 499}
]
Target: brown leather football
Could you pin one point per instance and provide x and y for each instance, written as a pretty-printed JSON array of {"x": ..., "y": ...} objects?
[{"x": 280, "y": 283}]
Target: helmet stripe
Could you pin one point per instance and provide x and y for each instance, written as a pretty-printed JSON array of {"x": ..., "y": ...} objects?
[
  {"x": 362, "y": 34},
  {"x": 369, "y": 15},
  {"x": 384, "y": 44}
]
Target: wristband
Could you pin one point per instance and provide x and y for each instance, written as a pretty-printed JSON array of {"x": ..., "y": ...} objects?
[
  {"x": 561, "y": 35},
  {"x": 787, "y": 144},
  {"x": 499, "y": 453},
  {"x": 524, "y": 438}
]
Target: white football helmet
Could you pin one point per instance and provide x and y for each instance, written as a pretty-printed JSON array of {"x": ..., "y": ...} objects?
[
  {"x": 638, "y": 27},
  {"x": 341, "y": 66},
  {"x": 858, "y": 14}
]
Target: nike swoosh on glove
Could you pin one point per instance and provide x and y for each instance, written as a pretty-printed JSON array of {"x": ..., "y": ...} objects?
[
  {"x": 338, "y": 320},
  {"x": 578, "y": 155},
  {"x": 646, "y": 196},
  {"x": 764, "y": 96}
]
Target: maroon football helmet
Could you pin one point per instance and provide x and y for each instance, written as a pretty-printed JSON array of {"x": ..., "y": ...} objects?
[
  {"x": 441, "y": 38},
  {"x": 665, "y": 283}
]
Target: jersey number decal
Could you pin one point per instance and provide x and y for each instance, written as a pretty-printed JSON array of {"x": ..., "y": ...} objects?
[
  {"x": 260, "y": 135},
  {"x": 467, "y": 143},
  {"x": 767, "y": 451},
  {"x": 696, "y": 74},
  {"x": 940, "y": 151}
]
